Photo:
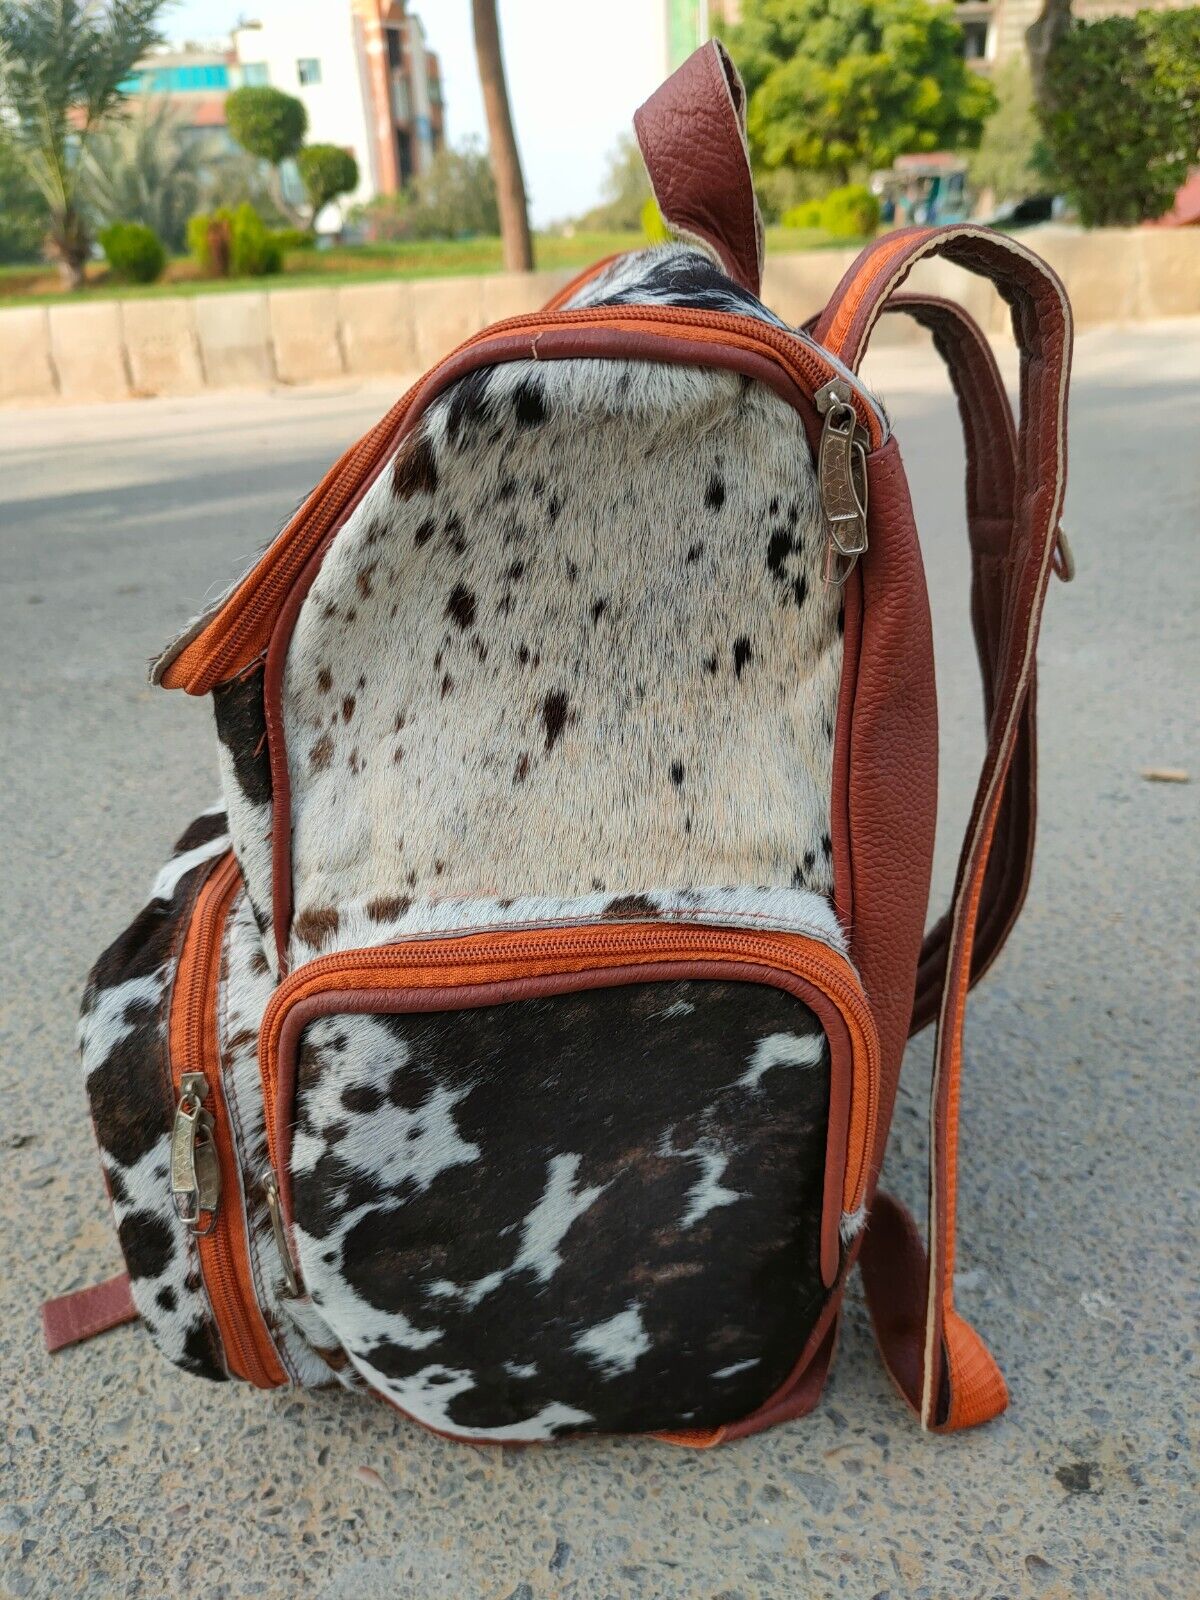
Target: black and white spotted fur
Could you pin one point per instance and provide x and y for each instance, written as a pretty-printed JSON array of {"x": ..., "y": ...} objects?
[
  {"x": 591, "y": 1212},
  {"x": 576, "y": 639},
  {"x": 123, "y": 1043}
]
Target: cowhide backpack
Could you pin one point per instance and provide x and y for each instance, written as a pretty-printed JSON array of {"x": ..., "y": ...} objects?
[{"x": 519, "y": 1038}]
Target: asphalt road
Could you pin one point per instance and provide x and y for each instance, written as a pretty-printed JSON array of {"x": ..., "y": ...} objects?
[{"x": 121, "y": 1477}]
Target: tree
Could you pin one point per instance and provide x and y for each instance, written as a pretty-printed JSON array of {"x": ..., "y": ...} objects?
[
  {"x": 502, "y": 142},
  {"x": 1006, "y": 161},
  {"x": 22, "y": 210},
  {"x": 270, "y": 125},
  {"x": 326, "y": 171},
  {"x": 842, "y": 86},
  {"x": 62, "y": 64},
  {"x": 142, "y": 170},
  {"x": 1122, "y": 113},
  {"x": 624, "y": 190}
]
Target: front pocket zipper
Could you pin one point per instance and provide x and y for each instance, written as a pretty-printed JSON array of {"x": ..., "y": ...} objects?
[
  {"x": 355, "y": 980},
  {"x": 204, "y": 1168}
]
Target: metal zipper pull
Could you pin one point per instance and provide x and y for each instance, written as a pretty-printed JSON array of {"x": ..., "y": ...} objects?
[
  {"x": 290, "y": 1276},
  {"x": 842, "y": 475},
  {"x": 195, "y": 1168}
]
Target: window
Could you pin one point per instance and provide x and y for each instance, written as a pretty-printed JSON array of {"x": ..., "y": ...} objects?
[
  {"x": 308, "y": 70},
  {"x": 404, "y": 155},
  {"x": 395, "y": 49},
  {"x": 255, "y": 74},
  {"x": 189, "y": 80},
  {"x": 975, "y": 36}
]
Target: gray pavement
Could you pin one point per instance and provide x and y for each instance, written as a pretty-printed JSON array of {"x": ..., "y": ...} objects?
[{"x": 121, "y": 1477}]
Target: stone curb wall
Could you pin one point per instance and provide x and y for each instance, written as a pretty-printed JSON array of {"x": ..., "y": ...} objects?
[{"x": 124, "y": 349}]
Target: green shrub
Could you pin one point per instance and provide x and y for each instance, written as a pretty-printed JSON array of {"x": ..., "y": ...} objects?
[
  {"x": 199, "y": 240},
  {"x": 806, "y": 215},
  {"x": 294, "y": 239},
  {"x": 851, "y": 212},
  {"x": 1122, "y": 113},
  {"x": 234, "y": 244},
  {"x": 135, "y": 252}
]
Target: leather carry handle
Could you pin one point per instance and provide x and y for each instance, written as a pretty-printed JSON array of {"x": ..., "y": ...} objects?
[
  {"x": 941, "y": 1365},
  {"x": 692, "y": 133}
]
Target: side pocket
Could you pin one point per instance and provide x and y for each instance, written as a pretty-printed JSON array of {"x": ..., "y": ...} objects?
[{"x": 123, "y": 1035}]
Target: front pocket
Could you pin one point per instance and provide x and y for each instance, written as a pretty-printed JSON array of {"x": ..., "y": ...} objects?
[{"x": 586, "y": 1180}]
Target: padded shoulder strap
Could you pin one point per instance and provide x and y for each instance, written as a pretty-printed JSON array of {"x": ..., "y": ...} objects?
[
  {"x": 990, "y": 438},
  {"x": 692, "y": 132},
  {"x": 1016, "y": 479}
]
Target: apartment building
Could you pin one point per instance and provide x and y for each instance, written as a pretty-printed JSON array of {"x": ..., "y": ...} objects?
[
  {"x": 367, "y": 78},
  {"x": 365, "y": 74}
]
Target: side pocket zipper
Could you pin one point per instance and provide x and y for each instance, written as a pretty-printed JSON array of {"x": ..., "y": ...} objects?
[{"x": 205, "y": 1178}]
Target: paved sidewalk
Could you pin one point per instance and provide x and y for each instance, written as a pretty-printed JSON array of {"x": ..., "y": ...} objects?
[{"x": 120, "y": 1477}]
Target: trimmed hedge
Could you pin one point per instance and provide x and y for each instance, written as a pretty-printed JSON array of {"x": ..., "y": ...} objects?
[{"x": 135, "y": 252}]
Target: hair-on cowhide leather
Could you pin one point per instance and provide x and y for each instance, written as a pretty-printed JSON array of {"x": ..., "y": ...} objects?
[
  {"x": 123, "y": 1043},
  {"x": 576, "y": 638},
  {"x": 127, "y": 1072},
  {"x": 571, "y": 660},
  {"x": 597, "y": 1211}
]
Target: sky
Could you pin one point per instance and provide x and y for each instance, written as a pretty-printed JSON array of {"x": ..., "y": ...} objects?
[{"x": 576, "y": 73}]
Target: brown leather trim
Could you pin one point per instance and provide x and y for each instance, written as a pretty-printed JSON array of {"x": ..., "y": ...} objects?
[
  {"x": 692, "y": 133},
  {"x": 465, "y": 997},
  {"x": 886, "y": 754},
  {"x": 559, "y": 344}
]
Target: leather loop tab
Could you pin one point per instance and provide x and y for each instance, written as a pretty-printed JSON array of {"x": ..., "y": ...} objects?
[
  {"x": 84, "y": 1313},
  {"x": 692, "y": 133},
  {"x": 978, "y": 1391},
  {"x": 895, "y": 1271}
]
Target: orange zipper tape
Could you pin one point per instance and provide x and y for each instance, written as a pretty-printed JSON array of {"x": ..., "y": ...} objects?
[
  {"x": 194, "y": 1046},
  {"x": 238, "y": 633},
  {"x": 530, "y": 953}
]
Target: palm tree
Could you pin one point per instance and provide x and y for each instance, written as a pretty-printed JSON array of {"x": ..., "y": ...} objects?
[
  {"x": 62, "y": 64},
  {"x": 502, "y": 142},
  {"x": 143, "y": 170}
]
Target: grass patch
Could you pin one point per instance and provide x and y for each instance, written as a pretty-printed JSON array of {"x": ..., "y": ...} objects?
[{"x": 422, "y": 258}]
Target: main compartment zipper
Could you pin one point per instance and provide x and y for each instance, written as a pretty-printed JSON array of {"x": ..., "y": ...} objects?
[
  {"x": 202, "y": 1138},
  {"x": 473, "y": 959}
]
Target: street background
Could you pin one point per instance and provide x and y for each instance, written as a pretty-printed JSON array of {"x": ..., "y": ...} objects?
[{"x": 1078, "y": 1200}]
